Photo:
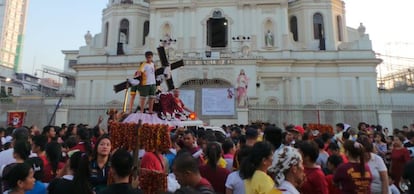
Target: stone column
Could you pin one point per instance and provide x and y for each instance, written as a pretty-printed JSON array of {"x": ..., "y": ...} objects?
[
  {"x": 242, "y": 116},
  {"x": 61, "y": 116},
  {"x": 385, "y": 119}
]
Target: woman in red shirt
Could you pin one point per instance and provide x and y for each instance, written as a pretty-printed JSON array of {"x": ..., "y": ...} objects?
[
  {"x": 399, "y": 157},
  {"x": 315, "y": 178},
  {"x": 53, "y": 165},
  {"x": 216, "y": 175},
  {"x": 354, "y": 176}
]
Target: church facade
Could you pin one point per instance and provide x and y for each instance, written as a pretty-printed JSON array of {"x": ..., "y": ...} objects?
[{"x": 270, "y": 53}]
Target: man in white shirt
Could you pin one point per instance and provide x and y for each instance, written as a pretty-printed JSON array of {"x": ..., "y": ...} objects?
[
  {"x": 148, "y": 82},
  {"x": 6, "y": 156}
]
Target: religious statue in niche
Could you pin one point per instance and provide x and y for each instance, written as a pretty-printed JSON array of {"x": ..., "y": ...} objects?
[
  {"x": 269, "y": 40},
  {"x": 242, "y": 84},
  {"x": 123, "y": 41},
  {"x": 88, "y": 38}
]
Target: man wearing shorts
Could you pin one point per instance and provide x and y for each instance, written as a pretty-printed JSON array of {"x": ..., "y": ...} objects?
[{"x": 147, "y": 86}]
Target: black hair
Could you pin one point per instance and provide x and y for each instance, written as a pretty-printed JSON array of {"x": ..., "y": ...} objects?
[
  {"x": 310, "y": 149},
  {"x": 220, "y": 137},
  {"x": 40, "y": 141},
  {"x": 37, "y": 165},
  {"x": 335, "y": 160},
  {"x": 20, "y": 134},
  {"x": 360, "y": 125},
  {"x": 47, "y": 129},
  {"x": 186, "y": 162},
  {"x": 79, "y": 164},
  {"x": 95, "y": 150},
  {"x": 410, "y": 135},
  {"x": 213, "y": 154},
  {"x": 364, "y": 140},
  {"x": 189, "y": 132},
  {"x": 148, "y": 53},
  {"x": 96, "y": 131},
  {"x": 346, "y": 135},
  {"x": 17, "y": 172},
  {"x": 186, "y": 190},
  {"x": 356, "y": 150},
  {"x": 273, "y": 135},
  {"x": 260, "y": 151},
  {"x": 333, "y": 146},
  {"x": 236, "y": 130},
  {"x": 71, "y": 141},
  {"x": 242, "y": 140},
  {"x": 242, "y": 154},
  {"x": 320, "y": 143},
  {"x": 340, "y": 125},
  {"x": 227, "y": 146},
  {"x": 22, "y": 148},
  {"x": 54, "y": 155},
  {"x": 83, "y": 134},
  {"x": 325, "y": 137},
  {"x": 69, "y": 131},
  {"x": 121, "y": 162}
]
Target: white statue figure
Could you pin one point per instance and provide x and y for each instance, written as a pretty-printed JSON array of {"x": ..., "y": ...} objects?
[
  {"x": 88, "y": 38},
  {"x": 361, "y": 29},
  {"x": 242, "y": 84},
  {"x": 269, "y": 39},
  {"x": 122, "y": 38}
]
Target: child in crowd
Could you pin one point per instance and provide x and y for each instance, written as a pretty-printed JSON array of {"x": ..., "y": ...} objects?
[
  {"x": 333, "y": 162},
  {"x": 392, "y": 187}
]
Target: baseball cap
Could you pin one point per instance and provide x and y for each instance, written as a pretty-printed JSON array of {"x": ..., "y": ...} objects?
[{"x": 299, "y": 129}]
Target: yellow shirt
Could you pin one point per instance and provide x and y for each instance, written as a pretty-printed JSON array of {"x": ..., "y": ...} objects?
[
  {"x": 275, "y": 191},
  {"x": 220, "y": 163},
  {"x": 260, "y": 183}
]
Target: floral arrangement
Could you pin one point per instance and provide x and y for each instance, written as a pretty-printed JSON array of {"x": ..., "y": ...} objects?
[
  {"x": 151, "y": 181},
  {"x": 147, "y": 136},
  {"x": 322, "y": 128}
]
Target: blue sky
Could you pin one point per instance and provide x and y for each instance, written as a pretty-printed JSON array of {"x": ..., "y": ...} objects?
[{"x": 53, "y": 26}]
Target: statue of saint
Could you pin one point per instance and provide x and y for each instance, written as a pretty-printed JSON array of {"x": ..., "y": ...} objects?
[
  {"x": 269, "y": 39},
  {"x": 242, "y": 84},
  {"x": 122, "y": 38},
  {"x": 361, "y": 29},
  {"x": 88, "y": 38}
]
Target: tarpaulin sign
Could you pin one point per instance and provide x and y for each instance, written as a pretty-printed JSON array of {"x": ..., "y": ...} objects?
[{"x": 16, "y": 118}]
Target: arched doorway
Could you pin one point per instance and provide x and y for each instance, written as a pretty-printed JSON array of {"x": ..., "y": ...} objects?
[{"x": 209, "y": 98}]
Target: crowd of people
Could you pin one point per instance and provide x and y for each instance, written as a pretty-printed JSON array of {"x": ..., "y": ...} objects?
[{"x": 241, "y": 159}]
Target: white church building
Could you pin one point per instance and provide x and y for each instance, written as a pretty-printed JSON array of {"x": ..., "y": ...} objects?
[{"x": 302, "y": 64}]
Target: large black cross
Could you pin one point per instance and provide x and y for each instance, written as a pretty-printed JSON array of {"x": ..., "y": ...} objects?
[{"x": 160, "y": 71}]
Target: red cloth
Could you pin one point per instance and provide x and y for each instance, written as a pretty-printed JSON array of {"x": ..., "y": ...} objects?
[
  {"x": 315, "y": 182},
  {"x": 80, "y": 146},
  {"x": 48, "y": 171},
  {"x": 399, "y": 157},
  {"x": 203, "y": 183},
  {"x": 44, "y": 159},
  {"x": 217, "y": 177},
  {"x": 349, "y": 178},
  {"x": 344, "y": 158},
  {"x": 332, "y": 188},
  {"x": 152, "y": 162}
]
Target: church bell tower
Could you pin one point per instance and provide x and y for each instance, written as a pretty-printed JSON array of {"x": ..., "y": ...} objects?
[{"x": 125, "y": 25}]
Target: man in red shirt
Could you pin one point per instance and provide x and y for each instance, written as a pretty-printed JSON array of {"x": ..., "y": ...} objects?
[
  {"x": 186, "y": 171},
  {"x": 179, "y": 102}
]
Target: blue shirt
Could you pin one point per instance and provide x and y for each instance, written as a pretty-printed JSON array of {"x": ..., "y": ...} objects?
[{"x": 39, "y": 188}]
